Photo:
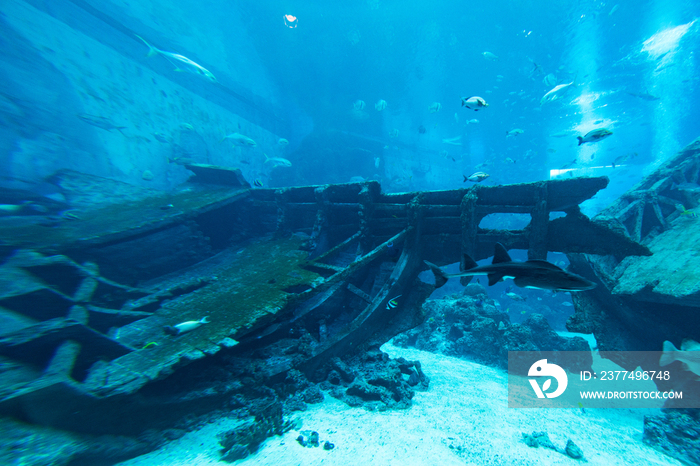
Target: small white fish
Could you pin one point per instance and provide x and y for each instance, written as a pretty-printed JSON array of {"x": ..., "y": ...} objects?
[
  {"x": 282, "y": 142},
  {"x": 567, "y": 304},
  {"x": 394, "y": 133},
  {"x": 435, "y": 107},
  {"x": 189, "y": 65},
  {"x": 379, "y": 106},
  {"x": 473, "y": 121},
  {"x": 456, "y": 118},
  {"x": 490, "y": 56},
  {"x": 556, "y": 93},
  {"x": 477, "y": 177},
  {"x": 514, "y": 132},
  {"x": 509, "y": 160},
  {"x": 454, "y": 141},
  {"x": 358, "y": 105},
  {"x": 240, "y": 140},
  {"x": 613, "y": 10},
  {"x": 278, "y": 161},
  {"x": 376, "y": 162},
  {"x": 515, "y": 296},
  {"x": 474, "y": 102},
  {"x": 190, "y": 325}
]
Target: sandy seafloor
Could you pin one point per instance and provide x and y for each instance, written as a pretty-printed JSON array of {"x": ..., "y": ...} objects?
[{"x": 463, "y": 419}]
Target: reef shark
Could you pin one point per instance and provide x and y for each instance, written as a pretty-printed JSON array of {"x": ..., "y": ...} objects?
[{"x": 529, "y": 274}]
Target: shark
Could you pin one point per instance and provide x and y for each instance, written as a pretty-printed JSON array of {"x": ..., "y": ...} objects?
[{"x": 538, "y": 274}]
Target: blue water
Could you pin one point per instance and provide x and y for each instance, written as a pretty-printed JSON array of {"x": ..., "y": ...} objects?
[{"x": 632, "y": 66}]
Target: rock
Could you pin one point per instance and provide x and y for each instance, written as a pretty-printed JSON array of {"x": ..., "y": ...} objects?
[
  {"x": 308, "y": 438},
  {"x": 313, "y": 395},
  {"x": 572, "y": 450},
  {"x": 328, "y": 445},
  {"x": 374, "y": 381},
  {"x": 675, "y": 433},
  {"x": 474, "y": 289},
  {"x": 538, "y": 439},
  {"x": 473, "y": 327}
]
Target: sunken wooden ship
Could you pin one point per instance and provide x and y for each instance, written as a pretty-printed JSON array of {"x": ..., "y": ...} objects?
[{"x": 85, "y": 301}]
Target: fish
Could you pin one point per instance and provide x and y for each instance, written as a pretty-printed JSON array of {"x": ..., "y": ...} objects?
[
  {"x": 622, "y": 158},
  {"x": 166, "y": 207},
  {"x": 550, "y": 80},
  {"x": 278, "y": 161},
  {"x": 689, "y": 355},
  {"x": 474, "y": 102},
  {"x": 644, "y": 96},
  {"x": 473, "y": 121},
  {"x": 456, "y": 118},
  {"x": 561, "y": 134},
  {"x": 11, "y": 208},
  {"x": 567, "y": 304},
  {"x": 454, "y": 141},
  {"x": 594, "y": 136},
  {"x": 556, "y": 93},
  {"x": 240, "y": 140},
  {"x": 392, "y": 303},
  {"x": 160, "y": 137},
  {"x": 358, "y": 104},
  {"x": 435, "y": 107},
  {"x": 490, "y": 56},
  {"x": 684, "y": 211},
  {"x": 381, "y": 105},
  {"x": 190, "y": 325},
  {"x": 394, "y": 133},
  {"x": 376, "y": 162},
  {"x": 282, "y": 142},
  {"x": 100, "y": 122},
  {"x": 187, "y": 64},
  {"x": 689, "y": 187},
  {"x": 613, "y": 10},
  {"x": 569, "y": 164},
  {"x": 181, "y": 160},
  {"x": 499, "y": 77},
  {"x": 514, "y": 132},
  {"x": 258, "y": 183},
  {"x": 537, "y": 274},
  {"x": 477, "y": 177},
  {"x": 515, "y": 296},
  {"x": 509, "y": 160}
]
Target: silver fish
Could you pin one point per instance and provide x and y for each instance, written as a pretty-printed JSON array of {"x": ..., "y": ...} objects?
[
  {"x": 477, "y": 177},
  {"x": 190, "y": 325},
  {"x": 474, "y": 102},
  {"x": 187, "y": 64},
  {"x": 594, "y": 136},
  {"x": 240, "y": 140},
  {"x": 278, "y": 161},
  {"x": 556, "y": 93},
  {"x": 100, "y": 122}
]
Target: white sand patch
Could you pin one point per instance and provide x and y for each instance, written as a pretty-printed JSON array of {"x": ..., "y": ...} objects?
[{"x": 462, "y": 419}]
